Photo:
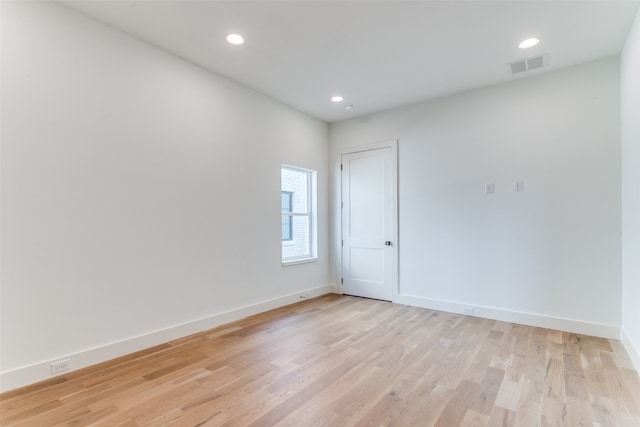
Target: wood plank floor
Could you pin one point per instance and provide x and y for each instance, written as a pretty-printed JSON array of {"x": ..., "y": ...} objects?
[{"x": 346, "y": 361}]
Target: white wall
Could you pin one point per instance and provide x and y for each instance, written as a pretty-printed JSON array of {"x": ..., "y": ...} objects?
[
  {"x": 630, "y": 101},
  {"x": 548, "y": 256},
  {"x": 140, "y": 194}
]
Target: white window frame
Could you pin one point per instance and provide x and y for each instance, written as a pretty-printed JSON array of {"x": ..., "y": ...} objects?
[{"x": 311, "y": 209}]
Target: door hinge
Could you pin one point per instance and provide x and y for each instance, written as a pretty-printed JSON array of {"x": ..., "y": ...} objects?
[
  {"x": 342, "y": 205},
  {"x": 342, "y": 244},
  {"x": 341, "y": 281},
  {"x": 340, "y": 166}
]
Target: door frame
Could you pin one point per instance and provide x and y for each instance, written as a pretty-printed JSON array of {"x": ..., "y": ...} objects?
[{"x": 393, "y": 145}]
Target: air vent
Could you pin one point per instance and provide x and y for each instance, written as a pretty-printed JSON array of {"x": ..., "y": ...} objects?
[{"x": 527, "y": 64}]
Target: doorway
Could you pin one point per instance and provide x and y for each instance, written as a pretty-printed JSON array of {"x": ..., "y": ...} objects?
[{"x": 369, "y": 205}]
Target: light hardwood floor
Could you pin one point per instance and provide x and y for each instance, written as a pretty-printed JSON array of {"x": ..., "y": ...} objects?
[{"x": 338, "y": 361}]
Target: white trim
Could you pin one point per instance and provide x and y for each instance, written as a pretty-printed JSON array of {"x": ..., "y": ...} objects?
[
  {"x": 26, "y": 375},
  {"x": 393, "y": 143},
  {"x": 634, "y": 353},
  {"x": 530, "y": 319},
  {"x": 294, "y": 261}
]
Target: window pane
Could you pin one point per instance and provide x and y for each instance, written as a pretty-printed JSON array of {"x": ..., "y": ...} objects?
[
  {"x": 296, "y": 183},
  {"x": 287, "y": 228},
  {"x": 287, "y": 201},
  {"x": 300, "y": 246}
]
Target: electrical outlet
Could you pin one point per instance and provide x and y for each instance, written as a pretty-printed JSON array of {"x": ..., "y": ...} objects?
[
  {"x": 489, "y": 188},
  {"x": 519, "y": 186},
  {"x": 467, "y": 310},
  {"x": 60, "y": 366}
]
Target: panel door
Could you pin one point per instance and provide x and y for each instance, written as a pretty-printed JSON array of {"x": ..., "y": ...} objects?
[{"x": 368, "y": 209}]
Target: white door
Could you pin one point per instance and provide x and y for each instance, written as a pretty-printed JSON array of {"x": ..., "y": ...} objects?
[{"x": 369, "y": 218}]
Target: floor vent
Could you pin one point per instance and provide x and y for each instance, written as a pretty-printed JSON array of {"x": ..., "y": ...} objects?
[{"x": 527, "y": 64}]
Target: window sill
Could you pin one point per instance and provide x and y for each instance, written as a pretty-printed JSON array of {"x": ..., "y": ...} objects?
[{"x": 299, "y": 261}]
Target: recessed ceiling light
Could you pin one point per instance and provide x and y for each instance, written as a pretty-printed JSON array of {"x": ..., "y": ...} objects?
[
  {"x": 526, "y": 44},
  {"x": 337, "y": 98},
  {"x": 236, "y": 39},
  {"x": 348, "y": 107}
]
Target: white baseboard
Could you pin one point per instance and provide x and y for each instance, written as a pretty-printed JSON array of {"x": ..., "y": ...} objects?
[
  {"x": 335, "y": 289},
  {"x": 42, "y": 371},
  {"x": 634, "y": 352},
  {"x": 530, "y": 319}
]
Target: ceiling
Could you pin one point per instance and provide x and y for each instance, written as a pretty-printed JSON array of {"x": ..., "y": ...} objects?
[{"x": 376, "y": 54}]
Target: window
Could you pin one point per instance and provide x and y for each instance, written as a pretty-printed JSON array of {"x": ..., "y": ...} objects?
[{"x": 298, "y": 204}]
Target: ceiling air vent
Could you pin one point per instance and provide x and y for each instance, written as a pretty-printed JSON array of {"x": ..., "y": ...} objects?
[{"x": 527, "y": 64}]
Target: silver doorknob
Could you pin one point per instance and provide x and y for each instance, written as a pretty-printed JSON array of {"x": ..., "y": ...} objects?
[{"x": 387, "y": 243}]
